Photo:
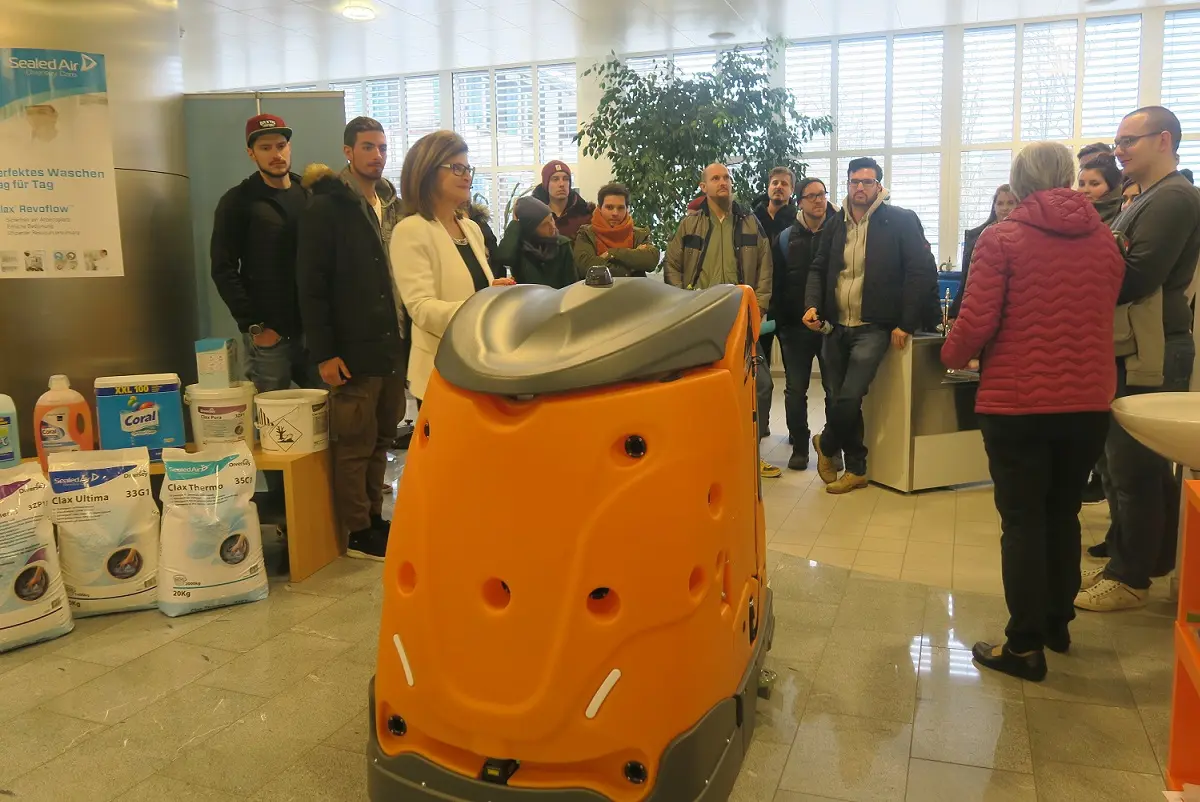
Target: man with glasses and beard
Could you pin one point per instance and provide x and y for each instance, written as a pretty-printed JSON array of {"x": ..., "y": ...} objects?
[
  {"x": 873, "y": 279},
  {"x": 253, "y": 253},
  {"x": 1159, "y": 237}
]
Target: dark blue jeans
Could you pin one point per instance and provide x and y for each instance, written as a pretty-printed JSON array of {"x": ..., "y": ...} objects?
[
  {"x": 1143, "y": 495},
  {"x": 852, "y": 357},
  {"x": 764, "y": 385},
  {"x": 799, "y": 346},
  {"x": 276, "y": 367}
]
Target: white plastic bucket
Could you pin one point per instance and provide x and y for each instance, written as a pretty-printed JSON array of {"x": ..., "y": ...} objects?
[
  {"x": 221, "y": 416},
  {"x": 293, "y": 421}
]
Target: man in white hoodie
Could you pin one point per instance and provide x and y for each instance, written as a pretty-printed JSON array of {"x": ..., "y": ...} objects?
[{"x": 873, "y": 280}]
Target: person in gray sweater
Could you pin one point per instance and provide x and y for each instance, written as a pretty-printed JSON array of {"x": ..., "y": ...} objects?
[{"x": 1160, "y": 238}]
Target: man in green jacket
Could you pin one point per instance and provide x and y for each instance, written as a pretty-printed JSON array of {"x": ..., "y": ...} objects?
[
  {"x": 721, "y": 242},
  {"x": 533, "y": 249},
  {"x": 612, "y": 240}
]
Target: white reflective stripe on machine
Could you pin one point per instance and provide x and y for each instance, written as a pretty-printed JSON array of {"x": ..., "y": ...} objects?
[
  {"x": 403, "y": 659},
  {"x": 601, "y": 693}
]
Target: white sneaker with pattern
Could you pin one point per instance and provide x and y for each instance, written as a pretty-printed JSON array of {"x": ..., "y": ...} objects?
[{"x": 1109, "y": 595}]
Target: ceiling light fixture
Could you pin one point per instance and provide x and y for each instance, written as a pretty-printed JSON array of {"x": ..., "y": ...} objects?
[
  {"x": 358, "y": 12},
  {"x": 720, "y": 36}
]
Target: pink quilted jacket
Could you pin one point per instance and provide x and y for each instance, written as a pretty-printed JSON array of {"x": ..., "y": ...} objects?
[{"x": 1039, "y": 305}]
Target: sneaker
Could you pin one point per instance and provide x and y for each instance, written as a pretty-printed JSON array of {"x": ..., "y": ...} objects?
[
  {"x": 847, "y": 482},
  {"x": 367, "y": 544},
  {"x": 379, "y": 523},
  {"x": 1099, "y": 551},
  {"x": 825, "y": 468},
  {"x": 1091, "y": 577},
  {"x": 1030, "y": 666},
  {"x": 799, "y": 460},
  {"x": 1109, "y": 595},
  {"x": 769, "y": 471}
]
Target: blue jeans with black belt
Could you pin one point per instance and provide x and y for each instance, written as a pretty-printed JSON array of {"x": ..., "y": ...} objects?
[{"x": 852, "y": 356}]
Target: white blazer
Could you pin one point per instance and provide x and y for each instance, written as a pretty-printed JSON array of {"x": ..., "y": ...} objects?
[{"x": 432, "y": 281}]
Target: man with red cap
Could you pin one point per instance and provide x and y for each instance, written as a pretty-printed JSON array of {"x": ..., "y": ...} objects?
[
  {"x": 569, "y": 208},
  {"x": 253, "y": 252}
]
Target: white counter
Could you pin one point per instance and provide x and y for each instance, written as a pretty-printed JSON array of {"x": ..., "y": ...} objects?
[{"x": 914, "y": 436}]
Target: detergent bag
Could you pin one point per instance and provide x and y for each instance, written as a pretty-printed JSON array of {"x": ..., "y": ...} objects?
[
  {"x": 211, "y": 547},
  {"x": 33, "y": 603},
  {"x": 107, "y": 529}
]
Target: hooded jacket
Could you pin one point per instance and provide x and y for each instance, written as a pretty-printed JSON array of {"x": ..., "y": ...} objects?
[
  {"x": 347, "y": 300},
  {"x": 752, "y": 252},
  {"x": 899, "y": 283},
  {"x": 787, "y": 300},
  {"x": 557, "y": 272},
  {"x": 253, "y": 252},
  {"x": 773, "y": 227},
  {"x": 577, "y": 213},
  {"x": 1039, "y": 305}
]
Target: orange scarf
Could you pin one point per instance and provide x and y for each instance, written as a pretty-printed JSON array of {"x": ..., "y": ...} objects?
[{"x": 608, "y": 237}]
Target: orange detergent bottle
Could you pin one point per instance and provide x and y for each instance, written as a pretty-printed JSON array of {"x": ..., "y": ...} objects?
[{"x": 64, "y": 420}]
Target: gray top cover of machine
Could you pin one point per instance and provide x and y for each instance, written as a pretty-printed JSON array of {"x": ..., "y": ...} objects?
[{"x": 531, "y": 339}]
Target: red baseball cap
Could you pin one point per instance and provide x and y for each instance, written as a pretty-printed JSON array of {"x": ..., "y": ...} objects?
[{"x": 266, "y": 124}]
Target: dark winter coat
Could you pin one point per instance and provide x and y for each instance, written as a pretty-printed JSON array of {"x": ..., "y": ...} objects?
[
  {"x": 577, "y": 213},
  {"x": 253, "y": 251},
  {"x": 346, "y": 291}
]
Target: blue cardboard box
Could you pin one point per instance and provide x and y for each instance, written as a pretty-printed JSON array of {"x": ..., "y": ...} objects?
[{"x": 144, "y": 410}]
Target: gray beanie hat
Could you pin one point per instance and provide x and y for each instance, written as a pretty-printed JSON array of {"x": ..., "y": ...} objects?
[{"x": 530, "y": 213}]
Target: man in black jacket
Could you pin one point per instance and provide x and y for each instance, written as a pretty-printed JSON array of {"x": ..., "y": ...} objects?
[
  {"x": 776, "y": 213},
  {"x": 799, "y": 344},
  {"x": 873, "y": 279},
  {"x": 1160, "y": 239},
  {"x": 355, "y": 325},
  {"x": 253, "y": 253}
]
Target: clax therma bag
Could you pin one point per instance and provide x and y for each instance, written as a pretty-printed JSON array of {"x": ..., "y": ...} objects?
[
  {"x": 107, "y": 529},
  {"x": 211, "y": 547},
  {"x": 33, "y": 603}
]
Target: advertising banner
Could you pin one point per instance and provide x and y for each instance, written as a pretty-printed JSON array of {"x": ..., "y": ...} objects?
[{"x": 58, "y": 196}]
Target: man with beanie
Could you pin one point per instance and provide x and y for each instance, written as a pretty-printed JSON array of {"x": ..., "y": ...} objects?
[
  {"x": 722, "y": 242},
  {"x": 253, "y": 252},
  {"x": 612, "y": 240},
  {"x": 533, "y": 249},
  {"x": 570, "y": 209}
]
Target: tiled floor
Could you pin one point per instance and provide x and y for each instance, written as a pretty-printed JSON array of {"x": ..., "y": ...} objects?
[{"x": 878, "y": 599}]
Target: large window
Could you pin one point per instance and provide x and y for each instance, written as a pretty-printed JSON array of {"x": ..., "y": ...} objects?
[
  {"x": 1181, "y": 80},
  {"x": 407, "y": 108},
  {"x": 515, "y": 119},
  {"x": 879, "y": 79}
]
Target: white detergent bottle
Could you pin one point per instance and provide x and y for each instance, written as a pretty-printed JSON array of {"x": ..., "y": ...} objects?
[{"x": 10, "y": 434}]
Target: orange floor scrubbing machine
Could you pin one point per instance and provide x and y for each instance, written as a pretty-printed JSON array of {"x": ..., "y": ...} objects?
[{"x": 575, "y": 599}]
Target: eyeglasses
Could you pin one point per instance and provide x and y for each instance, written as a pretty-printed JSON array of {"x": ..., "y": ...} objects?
[
  {"x": 459, "y": 169},
  {"x": 812, "y": 196},
  {"x": 1126, "y": 142},
  {"x": 862, "y": 182}
]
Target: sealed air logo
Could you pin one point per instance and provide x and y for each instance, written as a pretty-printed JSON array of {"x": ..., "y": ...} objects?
[{"x": 142, "y": 420}]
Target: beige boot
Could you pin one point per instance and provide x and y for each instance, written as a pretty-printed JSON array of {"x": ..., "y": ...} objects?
[
  {"x": 845, "y": 483},
  {"x": 825, "y": 468}
]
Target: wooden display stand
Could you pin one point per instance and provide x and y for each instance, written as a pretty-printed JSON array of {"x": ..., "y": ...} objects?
[
  {"x": 312, "y": 539},
  {"x": 1183, "y": 754}
]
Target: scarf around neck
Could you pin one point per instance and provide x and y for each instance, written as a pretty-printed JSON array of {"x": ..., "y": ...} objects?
[
  {"x": 540, "y": 249},
  {"x": 608, "y": 237}
]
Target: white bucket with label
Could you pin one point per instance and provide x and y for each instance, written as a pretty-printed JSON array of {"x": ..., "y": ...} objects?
[
  {"x": 221, "y": 416},
  {"x": 293, "y": 421}
]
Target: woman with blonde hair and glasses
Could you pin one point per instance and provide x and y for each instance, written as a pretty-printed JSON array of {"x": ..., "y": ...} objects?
[
  {"x": 438, "y": 254},
  {"x": 1039, "y": 306}
]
